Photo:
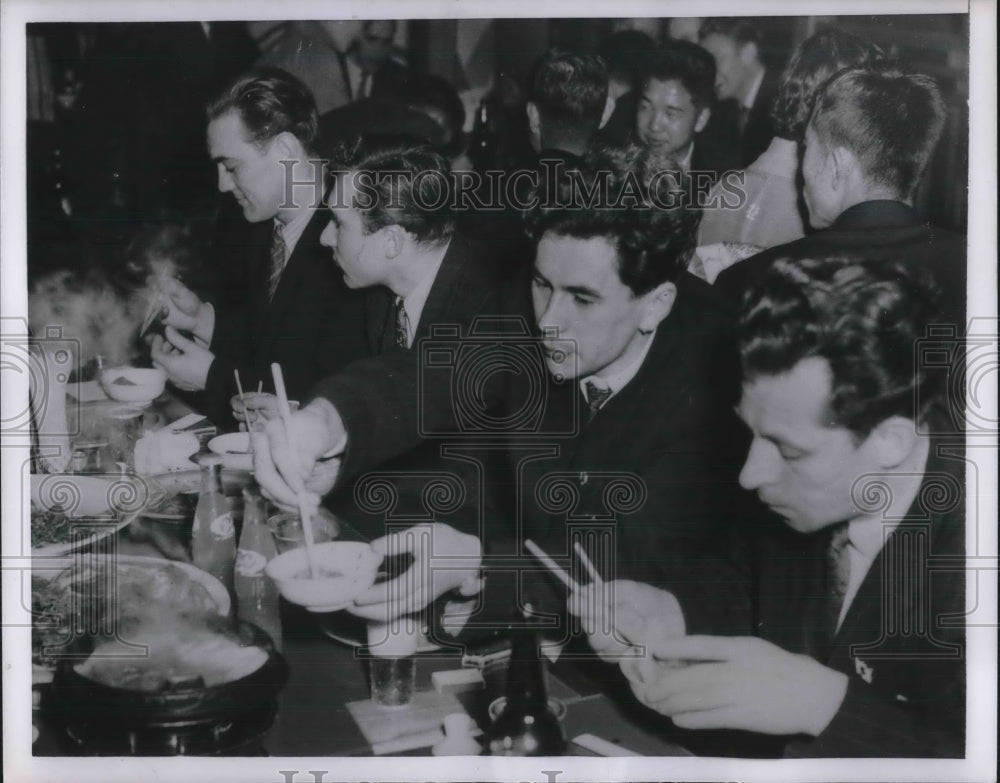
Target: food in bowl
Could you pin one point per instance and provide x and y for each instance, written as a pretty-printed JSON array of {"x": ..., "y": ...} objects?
[
  {"x": 201, "y": 658},
  {"x": 133, "y": 384},
  {"x": 345, "y": 570}
]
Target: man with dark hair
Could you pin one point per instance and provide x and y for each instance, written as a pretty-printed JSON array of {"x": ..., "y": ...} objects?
[
  {"x": 568, "y": 102},
  {"x": 769, "y": 213},
  {"x": 295, "y": 309},
  {"x": 675, "y": 105},
  {"x": 373, "y": 66},
  {"x": 741, "y": 77},
  {"x": 628, "y": 388},
  {"x": 868, "y": 141},
  {"x": 833, "y": 623}
]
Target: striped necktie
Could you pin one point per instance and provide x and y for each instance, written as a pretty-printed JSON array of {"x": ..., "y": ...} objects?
[
  {"x": 277, "y": 260},
  {"x": 838, "y": 563},
  {"x": 402, "y": 325},
  {"x": 596, "y": 397}
]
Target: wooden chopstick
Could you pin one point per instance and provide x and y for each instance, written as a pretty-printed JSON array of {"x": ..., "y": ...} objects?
[
  {"x": 564, "y": 577},
  {"x": 582, "y": 554}
]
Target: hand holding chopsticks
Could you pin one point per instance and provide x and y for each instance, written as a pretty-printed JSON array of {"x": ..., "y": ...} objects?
[{"x": 305, "y": 508}]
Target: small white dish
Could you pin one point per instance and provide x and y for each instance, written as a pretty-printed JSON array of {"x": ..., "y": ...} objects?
[
  {"x": 234, "y": 448},
  {"x": 347, "y": 569}
]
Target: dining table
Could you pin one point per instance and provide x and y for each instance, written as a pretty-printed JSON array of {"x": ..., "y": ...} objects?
[{"x": 325, "y": 709}]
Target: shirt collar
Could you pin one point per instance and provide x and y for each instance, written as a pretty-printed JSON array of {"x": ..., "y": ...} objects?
[{"x": 615, "y": 383}]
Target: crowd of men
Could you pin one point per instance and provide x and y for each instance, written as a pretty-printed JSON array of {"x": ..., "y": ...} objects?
[{"x": 713, "y": 394}]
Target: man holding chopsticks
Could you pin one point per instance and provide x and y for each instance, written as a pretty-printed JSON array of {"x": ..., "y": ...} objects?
[
  {"x": 263, "y": 137},
  {"x": 839, "y": 628}
]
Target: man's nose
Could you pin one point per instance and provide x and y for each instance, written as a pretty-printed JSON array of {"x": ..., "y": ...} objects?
[
  {"x": 659, "y": 120},
  {"x": 329, "y": 236},
  {"x": 226, "y": 183},
  {"x": 762, "y": 465}
]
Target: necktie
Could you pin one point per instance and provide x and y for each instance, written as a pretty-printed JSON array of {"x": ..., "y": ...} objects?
[
  {"x": 743, "y": 118},
  {"x": 402, "y": 325},
  {"x": 838, "y": 563},
  {"x": 596, "y": 397},
  {"x": 277, "y": 260}
]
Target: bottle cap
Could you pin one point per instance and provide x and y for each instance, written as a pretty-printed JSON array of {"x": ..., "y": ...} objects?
[{"x": 210, "y": 460}]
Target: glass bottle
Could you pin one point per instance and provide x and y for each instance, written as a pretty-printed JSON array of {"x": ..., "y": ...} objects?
[
  {"x": 257, "y": 596},
  {"x": 213, "y": 535},
  {"x": 527, "y": 726}
]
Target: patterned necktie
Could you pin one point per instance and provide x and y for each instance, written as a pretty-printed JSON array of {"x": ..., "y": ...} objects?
[
  {"x": 596, "y": 397},
  {"x": 277, "y": 260},
  {"x": 838, "y": 563},
  {"x": 402, "y": 325}
]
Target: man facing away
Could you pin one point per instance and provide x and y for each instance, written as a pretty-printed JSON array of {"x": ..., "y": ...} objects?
[
  {"x": 869, "y": 139},
  {"x": 263, "y": 138},
  {"x": 836, "y": 626}
]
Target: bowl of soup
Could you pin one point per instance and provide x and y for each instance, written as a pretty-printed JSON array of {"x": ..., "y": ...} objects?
[
  {"x": 345, "y": 569},
  {"x": 133, "y": 384}
]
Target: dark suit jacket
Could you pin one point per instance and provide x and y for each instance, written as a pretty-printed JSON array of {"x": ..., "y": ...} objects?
[
  {"x": 901, "y": 642},
  {"x": 656, "y": 465},
  {"x": 398, "y": 405},
  {"x": 312, "y": 327},
  {"x": 888, "y": 230}
]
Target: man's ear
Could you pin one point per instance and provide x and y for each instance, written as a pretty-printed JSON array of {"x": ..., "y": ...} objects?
[
  {"x": 609, "y": 109},
  {"x": 844, "y": 165},
  {"x": 893, "y": 440},
  {"x": 534, "y": 118},
  {"x": 659, "y": 303},
  {"x": 394, "y": 240},
  {"x": 749, "y": 53},
  {"x": 703, "y": 117},
  {"x": 287, "y": 146}
]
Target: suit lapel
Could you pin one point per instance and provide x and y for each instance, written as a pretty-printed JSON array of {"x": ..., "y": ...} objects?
[{"x": 444, "y": 289}]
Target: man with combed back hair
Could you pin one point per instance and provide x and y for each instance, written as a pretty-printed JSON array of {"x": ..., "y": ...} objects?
[
  {"x": 835, "y": 626},
  {"x": 296, "y": 311}
]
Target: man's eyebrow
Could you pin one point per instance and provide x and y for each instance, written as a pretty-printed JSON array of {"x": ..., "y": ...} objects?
[{"x": 582, "y": 290}]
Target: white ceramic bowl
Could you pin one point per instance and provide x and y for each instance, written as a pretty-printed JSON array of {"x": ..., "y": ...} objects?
[
  {"x": 347, "y": 569},
  {"x": 234, "y": 448},
  {"x": 145, "y": 383}
]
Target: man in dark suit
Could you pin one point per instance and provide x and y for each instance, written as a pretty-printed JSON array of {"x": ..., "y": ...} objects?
[
  {"x": 869, "y": 139},
  {"x": 674, "y": 111},
  {"x": 829, "y": 626},
  {"x": 373, "y": 67},
  {"x": 744, "y": 87},
  {"x": 295, "y": 309},
  {"x": 626, "y": 392},
  {"x": 417, "y": 275}
]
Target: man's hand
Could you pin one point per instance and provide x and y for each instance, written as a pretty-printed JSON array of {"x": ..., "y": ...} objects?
[
  {"x": 443, "y": 559},
  {"x": 185, "y": 310},
  {"x": 288, "y": 464},
  {"x": 260, "y": 408},
  {"x": 620, "y": 616},
  {"x": 741, "y": 682},
  {"x": 185, "y": 362}
]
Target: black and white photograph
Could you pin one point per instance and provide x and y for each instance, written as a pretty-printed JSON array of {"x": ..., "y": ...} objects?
[{"x": 493, "y": 392}]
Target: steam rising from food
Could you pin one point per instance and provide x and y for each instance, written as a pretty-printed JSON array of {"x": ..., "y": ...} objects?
[{"x": 103, "y": 310}]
